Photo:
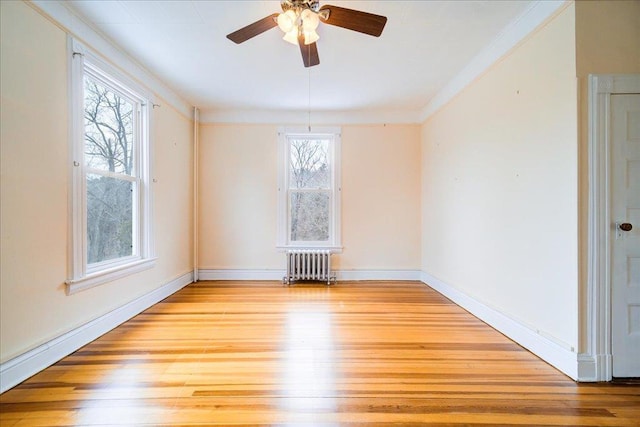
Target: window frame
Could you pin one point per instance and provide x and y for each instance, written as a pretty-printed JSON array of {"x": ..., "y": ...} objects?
[
  {"x": 82, "y": 275},
  {"x": 334, "y": 135}
]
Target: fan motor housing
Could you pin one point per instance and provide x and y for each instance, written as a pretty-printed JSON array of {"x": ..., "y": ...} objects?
[{"x": 300, "y": 4}]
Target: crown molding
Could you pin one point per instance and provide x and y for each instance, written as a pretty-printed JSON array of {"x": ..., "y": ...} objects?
[
  {"x": 513, "y": 34},
  {"x": 61, "y": 15},
  {"x": 315, "y": 118}
]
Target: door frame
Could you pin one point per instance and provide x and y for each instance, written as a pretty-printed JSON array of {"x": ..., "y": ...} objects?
[{"x": 596, "y": 363}]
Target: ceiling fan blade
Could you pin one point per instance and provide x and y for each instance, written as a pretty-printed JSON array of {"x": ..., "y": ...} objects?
[
  {"x": 252, "y": 30},
  {"x": 309, "y": 53},
  {"x": 355, "y": 20}
]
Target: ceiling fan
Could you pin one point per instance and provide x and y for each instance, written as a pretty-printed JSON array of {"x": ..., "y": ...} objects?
[{"x": 299, "y": 20}]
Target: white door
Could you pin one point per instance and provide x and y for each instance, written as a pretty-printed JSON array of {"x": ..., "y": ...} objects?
[{"x": 625, "y": 244}]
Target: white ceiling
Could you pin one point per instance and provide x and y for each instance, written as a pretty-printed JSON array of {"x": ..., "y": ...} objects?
[{"x": 424, "y": 45}]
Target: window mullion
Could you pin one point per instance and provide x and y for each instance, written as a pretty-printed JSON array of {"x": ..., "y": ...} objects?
[
  {"x": 110, "y": 174},
  {"x": 311, "y": 190}
]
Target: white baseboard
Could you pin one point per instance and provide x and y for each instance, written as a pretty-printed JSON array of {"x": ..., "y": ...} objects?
[
  {"x": 586, "y": 367},
  {"x": 279, "y": 274},
  {"x": 556, "y": 355},
  {"x": 18, "y": 369},
  {"x": 237, "y": 274},
  {"x": 594, "y": 368},
  {"x": 378, "y": 275}
]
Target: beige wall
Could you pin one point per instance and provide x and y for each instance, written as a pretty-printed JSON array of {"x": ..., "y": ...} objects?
[
  {"x": 380, "y": 200},
  {"x": 34, "y": 184},
  {"x": 238, "y": 197},
  {"x": 499, "y": 183},
  {"x": 607, "y": 37},
  {"x": 607, "y": 42},
  {"x": 380, "y": 197}
]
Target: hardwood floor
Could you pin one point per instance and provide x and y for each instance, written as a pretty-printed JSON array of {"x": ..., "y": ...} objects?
[{"x": 353, "y": 354}]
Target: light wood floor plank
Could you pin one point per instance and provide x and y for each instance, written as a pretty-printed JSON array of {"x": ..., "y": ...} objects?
[{"x": 359, "y": 353}]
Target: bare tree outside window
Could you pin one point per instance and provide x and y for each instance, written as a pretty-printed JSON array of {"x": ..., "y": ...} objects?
[
  {"x": 109, "y": 159},
  {"x": 310, "y": 189}
]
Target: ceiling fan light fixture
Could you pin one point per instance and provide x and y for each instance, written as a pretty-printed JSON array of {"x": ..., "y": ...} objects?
[
  {"x": 299, "y": 21},
  {"x": 311, "y": 37}
]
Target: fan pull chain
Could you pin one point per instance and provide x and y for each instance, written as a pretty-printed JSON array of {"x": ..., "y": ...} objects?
[{"x": 309, "y": 110}]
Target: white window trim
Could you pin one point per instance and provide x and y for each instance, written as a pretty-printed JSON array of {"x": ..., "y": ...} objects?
[
  {"x": 80, "y": 275},
  {"x": 335, "y": 242}
]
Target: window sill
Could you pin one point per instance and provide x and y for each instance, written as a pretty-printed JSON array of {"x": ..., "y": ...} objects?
[{"x": 95, "y": 279}]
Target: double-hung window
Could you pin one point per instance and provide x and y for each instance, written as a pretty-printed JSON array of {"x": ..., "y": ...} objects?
[
  {"x": 309, "y": 189},
  {"x": 110, "y": 202}
]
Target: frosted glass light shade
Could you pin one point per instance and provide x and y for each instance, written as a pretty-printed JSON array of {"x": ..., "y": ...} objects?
[
  {"x": 287, "y": 20},
  {"x": 292, "y": 36},
  {"x": 310, "y": 20},
  {"x": 310, "y": 37}
]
